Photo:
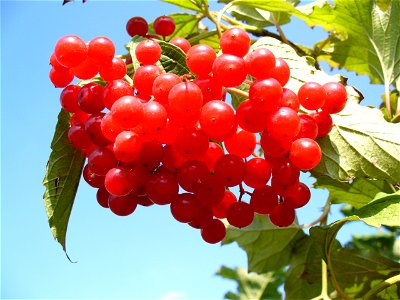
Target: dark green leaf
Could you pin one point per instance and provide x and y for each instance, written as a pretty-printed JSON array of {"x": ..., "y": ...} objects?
[
  {"x": 173, "y": 59},
  {"x": 357, "y": 193},
  {"x": 252, "y": 286},
  {"x": 357, "y": 271},
  {"x": 61, "y": 181},
  {"x": 382, "y": 242},
  {"x": 267, "y": 247},
  {"x": 304, "y": 273}
]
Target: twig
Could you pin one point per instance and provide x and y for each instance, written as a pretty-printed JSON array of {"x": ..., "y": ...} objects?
[
  {"x": 237, "y": 91},
  {"x": 381, "y": 286},
  {"x": 278, "y": 27},
  {"x": 321, "y": 218},
  {"x": 387, "y": 100}
]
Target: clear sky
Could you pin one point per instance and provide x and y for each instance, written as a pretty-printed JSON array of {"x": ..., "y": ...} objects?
[{"x": 147, "y": 255}]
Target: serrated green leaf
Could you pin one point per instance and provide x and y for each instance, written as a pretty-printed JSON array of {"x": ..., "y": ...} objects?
[
  {"x": 361, "y": 145},
  {"x": 61, "y": 180},
  {"x": 357, "y": 193},
  {"x": 173, "y": 59},
  {"x": 186, "y": 4},
  {"x": 383, "y": 210},
  {"x": 370, "y": 33},
  {"x": 267, "y": 247},
  {"x": 252, "y": 286}
]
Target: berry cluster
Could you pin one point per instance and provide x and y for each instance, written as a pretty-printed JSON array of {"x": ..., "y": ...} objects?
[{"x": 171, "y": 140}]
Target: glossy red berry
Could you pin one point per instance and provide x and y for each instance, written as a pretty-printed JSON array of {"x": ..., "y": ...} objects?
[
  {"x": 213, "y": 231},
  {"x": 164, "y": 26},
  {"x": 180, "y": 42},
  {"x": 240, "y": 214},
  {"x": 137, "y": 26},
  {"x": 70, "y": 51},
  {"x": 235, "y": 41},
  {"x": 305, "y": 154}
]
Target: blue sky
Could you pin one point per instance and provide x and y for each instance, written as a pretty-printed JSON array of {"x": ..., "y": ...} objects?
[{"x": 147, "y": 255}]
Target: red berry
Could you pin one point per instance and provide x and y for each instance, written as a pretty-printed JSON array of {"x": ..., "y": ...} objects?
[
  {"x": 164, "y": 26},
  {"x": 213, "y": 231},
  {"x": 282, "y": 215},
  {"x": 148, "y": 52},
  {"x": 137, "y": 26},
  {"x": 263, "y": 200},
  {"x": 235, "y": 41},
  {"x": 200, "y": 59},
  {"x": 260, "y": 62},
  {"x": 258, "y": 172},
  {"x": 185, "y": 207},
  {"x": 69, "y": 98},
  {"x": 101, "y": 50},
  {"x": 336, "y": 97},
  {"x": 281, "y": 72},
  {"x": 240, "y": 214},
  {"x": 311, "y": 95},
  {"x": 113, "y": 69},
  {"x": 180, "y": 42},
  {"x": 70, "y": 51},
  {"x": 219, "y": 209},
  {"x": 324, "y": 123},
  {"x": 122, "y": 206},
  {"x": 59, "y": 78},
  {"x": 229, "y": 70},
  {"x": 305, "y": 154}
]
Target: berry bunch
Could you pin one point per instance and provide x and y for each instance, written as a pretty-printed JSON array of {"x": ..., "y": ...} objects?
[{"x": 171, "y": 140}]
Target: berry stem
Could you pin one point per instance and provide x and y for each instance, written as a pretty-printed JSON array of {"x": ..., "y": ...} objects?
[
  {"x": 219, "y": 18},
  {"x": 381, "y": 286},
  {"x": 321, "y": 219},
  {"x": 387, "y": 99},
  {"x": 255, "y": 155},
  {"x": 237, "y": 91},
  {"x": 129, "y": 80},
  {"x": 278, "y": 27}
]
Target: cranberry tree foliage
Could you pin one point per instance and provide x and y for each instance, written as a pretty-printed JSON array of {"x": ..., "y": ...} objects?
[{"x": 190, "y": 112}]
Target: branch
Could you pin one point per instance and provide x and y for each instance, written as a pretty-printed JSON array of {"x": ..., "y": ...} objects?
[
  {"x": 321, "y": 219},
  {"x": 381, "y": 286},
  {"x": 237, "y": 91}
]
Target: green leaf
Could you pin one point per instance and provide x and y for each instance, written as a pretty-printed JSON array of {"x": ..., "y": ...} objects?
[
  {"x": 186, "y": 4},
  {"x": 357, "y": 271},
  {"x": 267, "y": 247},
  {"x": 361, "y": 145},
  {"x": 209, "y": 38},
  {"x": 382, "y": 242},
  {"x": 259, "y": 17},
  {"x": 252, "y": 286},
  {"x": 173, "y": 59},
  {"x": 383, "y": 210},
  {"x": 304, "y": 273},
  {"x": 370, "y": 32},
  {"x": 61, "y": 180},
  {"x": 357, "y": 193}
]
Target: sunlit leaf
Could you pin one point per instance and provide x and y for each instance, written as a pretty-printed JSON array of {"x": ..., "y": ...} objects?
[{"x": 61, "y": 181}]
